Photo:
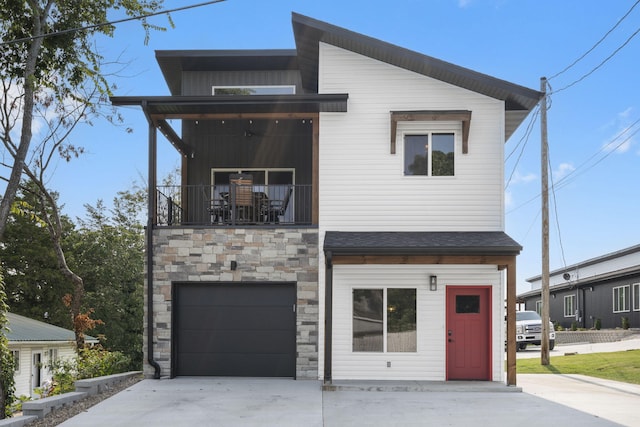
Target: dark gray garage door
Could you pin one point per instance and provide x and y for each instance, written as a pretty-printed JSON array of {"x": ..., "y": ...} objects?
[{"x": 234, "y": 329}]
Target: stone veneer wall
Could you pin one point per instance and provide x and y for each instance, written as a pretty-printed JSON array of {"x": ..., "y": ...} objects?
[{"x": 262, "y": 254}]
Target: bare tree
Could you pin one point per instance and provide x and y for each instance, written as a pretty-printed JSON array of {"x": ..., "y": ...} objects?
[{"x": 46, "y": 46}]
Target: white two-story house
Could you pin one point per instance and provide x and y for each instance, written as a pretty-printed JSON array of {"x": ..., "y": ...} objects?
[{"x": 340, "y": 216}]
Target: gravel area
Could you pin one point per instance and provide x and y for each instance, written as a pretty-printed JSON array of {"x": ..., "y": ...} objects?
[{"x": 60, "y": 415}]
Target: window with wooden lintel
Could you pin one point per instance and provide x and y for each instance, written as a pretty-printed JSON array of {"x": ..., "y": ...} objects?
[{"x": 463, "y": 116}]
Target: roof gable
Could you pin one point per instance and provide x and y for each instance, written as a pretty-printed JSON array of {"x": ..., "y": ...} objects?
[{"x": 309, "y": 32}]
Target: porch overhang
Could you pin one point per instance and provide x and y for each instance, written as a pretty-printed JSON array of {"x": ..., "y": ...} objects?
[
  {"x": 403, "y": 245},
  {"x": 203, "y": 107},
  {"x": 487, "y": 248},
  {"x": 159, "y": 109}
]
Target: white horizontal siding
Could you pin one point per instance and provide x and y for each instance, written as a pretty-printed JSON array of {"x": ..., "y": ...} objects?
[
  {"x": 429, "y": 361},
  {"x": 22, "y": 378},
  {"x": 362, "y": 186}
]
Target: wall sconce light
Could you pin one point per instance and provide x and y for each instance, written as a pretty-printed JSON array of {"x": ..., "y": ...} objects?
[{"x": 433, "y": 283}]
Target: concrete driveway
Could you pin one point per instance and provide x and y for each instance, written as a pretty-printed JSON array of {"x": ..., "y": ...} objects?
[
  {"x": 544, "y": 400},
  {"x": 281, "y": 402}
]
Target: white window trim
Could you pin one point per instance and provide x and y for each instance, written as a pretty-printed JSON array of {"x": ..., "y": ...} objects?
[
  {"x": 625, "y": 300},
  {"x": 573, "y": 306},
  {"x": 636, "y": 296},
  {"x": 424, "y": 128},
  {"x": 384, "y": 320},
  {"x": 249, "y": 170},
  {"x": 539, "y": 307}
]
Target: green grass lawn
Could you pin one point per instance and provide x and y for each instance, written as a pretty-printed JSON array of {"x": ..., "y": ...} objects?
[{"x": 618, "y": 366}]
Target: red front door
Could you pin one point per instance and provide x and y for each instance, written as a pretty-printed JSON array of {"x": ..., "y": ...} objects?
[{"x": 468, "y": 333}]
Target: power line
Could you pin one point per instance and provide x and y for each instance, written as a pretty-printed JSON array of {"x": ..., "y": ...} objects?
[
  {"x": 597, "y": 43},
  {"x": 571, "y": 176},
  {"x": 104, "y": 24},
  {"x": 557, "y": 219},
  {"x": 525, "y": 137},
  {"x": 600, "y": 64},
  {"x": 565, "y": 180}
]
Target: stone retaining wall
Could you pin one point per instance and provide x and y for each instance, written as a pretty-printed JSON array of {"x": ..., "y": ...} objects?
[{"x": 604, "y": 335}]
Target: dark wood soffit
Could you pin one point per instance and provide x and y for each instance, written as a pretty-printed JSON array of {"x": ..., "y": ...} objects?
[
  {"x": 502, "y": 261},
  {"x": 463, "y": 116},
  {"x": 185, "y": 150},
  {"x": 231, "y": 116}
]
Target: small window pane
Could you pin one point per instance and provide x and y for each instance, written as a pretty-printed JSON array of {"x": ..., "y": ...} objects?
[
  {"x": 442, "y": 154},
  {"x": 416, "y": 149},
  {"x": 466, "y": 304},
  {"x": 16, "y": 360},
  {"x": 569, "y": 310},
  {"x": 368, "y": 327},
  {"x": 401, "y": 320}
]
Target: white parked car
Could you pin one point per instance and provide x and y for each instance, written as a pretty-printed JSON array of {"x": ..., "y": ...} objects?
[{"x": 529, "y": 330}]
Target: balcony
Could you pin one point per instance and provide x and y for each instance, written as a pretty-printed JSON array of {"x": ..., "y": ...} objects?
[{"x": 233, "y": 205}]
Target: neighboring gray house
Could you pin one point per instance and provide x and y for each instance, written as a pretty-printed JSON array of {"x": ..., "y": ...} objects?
[
  {"x": 606, "y": 288},
  {"x": 35, "y": 345},
  {"x": 340, "y": 215}
]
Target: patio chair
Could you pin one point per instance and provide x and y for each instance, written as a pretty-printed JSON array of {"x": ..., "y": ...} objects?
[
  {"x": 277, "y": 207},
  {"x": 241, "y": 190},
  {"x": 218, "y": 209}
]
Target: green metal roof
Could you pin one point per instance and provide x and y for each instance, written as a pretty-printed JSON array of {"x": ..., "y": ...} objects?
[{"x": 22, "y": 329}]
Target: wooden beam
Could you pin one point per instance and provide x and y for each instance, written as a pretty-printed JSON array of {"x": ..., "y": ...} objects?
[
  {"x": 463, "y": 116},
  {"x": 511, "y": 323},
  {"x": 498, "y": 260},
  {"x": 173, "y": 138},
  {"x": 315, "y": 170}
]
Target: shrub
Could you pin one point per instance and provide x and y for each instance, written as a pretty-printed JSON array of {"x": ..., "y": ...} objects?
[
  {"x": 89, "y": 363},
  {"x": 574, "y": 326},
  {"x": 598, "y": 324},
  {"x": 7, "y": 383},
  {"x": 625, "y": 323},
  {"x": 16, "y": 406}
]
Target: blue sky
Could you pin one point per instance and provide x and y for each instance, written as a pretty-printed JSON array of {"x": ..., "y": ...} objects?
[{"x": 595, "y": 208}]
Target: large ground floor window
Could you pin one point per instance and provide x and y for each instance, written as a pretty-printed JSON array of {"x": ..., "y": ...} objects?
[
  {"x": 621, "y": 299},
  {"x": 384, "y": 320}
]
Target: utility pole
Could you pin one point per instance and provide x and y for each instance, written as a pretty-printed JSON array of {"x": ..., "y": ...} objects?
[{"x": 544, "y": 160}]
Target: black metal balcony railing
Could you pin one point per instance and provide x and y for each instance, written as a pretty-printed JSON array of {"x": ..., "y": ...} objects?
[{"x": 233, "y": 205}]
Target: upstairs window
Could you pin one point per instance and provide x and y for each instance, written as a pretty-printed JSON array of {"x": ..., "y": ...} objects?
[
  {"x": 254, "y": 90},
  {"x": 429, "y": 154}
]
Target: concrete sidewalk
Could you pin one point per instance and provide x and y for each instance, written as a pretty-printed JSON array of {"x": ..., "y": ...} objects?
[
  {"x": 632, "y": 343},
  {"x": 609, "y": 400},
  {"x": 282, "y": 402}
]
